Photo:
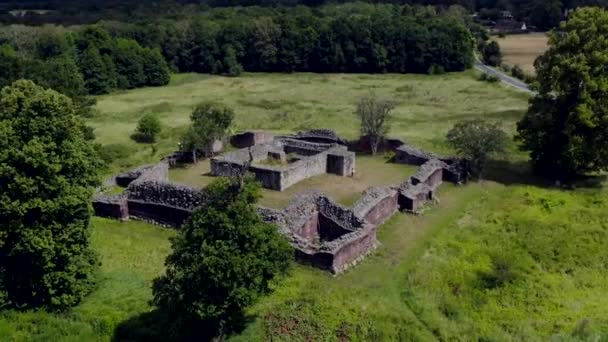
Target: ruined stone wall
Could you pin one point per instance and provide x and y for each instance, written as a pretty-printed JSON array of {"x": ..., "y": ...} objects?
[
  {"x": 251, "y": 138},
  {"x": 341, "y": 162},
  {"x": 158, "y": 213},
  {"x": 169, "y": 194},
  {"x": 303, "y": 169},
  {"x": 377, "y": 205},
  {"x": 114, "y": 207},
  {"x": 353, "y": 251},
  {"x": 429, "y": 173},
  {"x": 269, "y": 177}
]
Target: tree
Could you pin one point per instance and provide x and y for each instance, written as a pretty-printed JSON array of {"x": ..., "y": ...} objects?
[
  {"x": 210, "y": 122},
  {"x": 375, "y": 116},
  {"x": 224, "y": 258},
  {"x": 565, "y": 126},
  {"x": 10, "y": 64},
  {"x": 477, "y": 141},
  {"x": 98, "y": 78},
  {"x": 545, "y": 14},
  {"x": 155, "y": 68},
  {"x": 48, "y": 172},
  {"x": 147, "y": 129},
  {"x": 128, "y": 58},
  {"x": 491, "y": 54}
]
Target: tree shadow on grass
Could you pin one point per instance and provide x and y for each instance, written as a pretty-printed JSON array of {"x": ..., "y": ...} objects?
[
  {"x": 156, "y": 326},
  {"x": 509, "y": 173},
  {"x": 520, "y": 173}
]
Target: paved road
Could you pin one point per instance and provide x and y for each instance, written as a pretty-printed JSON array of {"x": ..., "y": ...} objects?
[{"x": 511, "y": 81}]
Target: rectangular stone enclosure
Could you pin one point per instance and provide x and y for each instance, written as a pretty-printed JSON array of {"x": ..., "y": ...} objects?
[{"x": 285, "y": 162}]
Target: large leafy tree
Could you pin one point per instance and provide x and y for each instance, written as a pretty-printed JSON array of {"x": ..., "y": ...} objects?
[
  {"x": 47, "y": 175},
  {"x": 566, "y": 126},
  {"x": 210, "y": 122},
  {"x": 223, "y": 260}
]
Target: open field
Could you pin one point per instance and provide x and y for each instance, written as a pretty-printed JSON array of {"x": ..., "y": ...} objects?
[
  {"x": 427, "y": 106},
  {"x": 522, "y": 49},
  {"x": 371, "y": 171},
  {"x": 431, "y": 279},
  {"x": 503, "y": 259}
]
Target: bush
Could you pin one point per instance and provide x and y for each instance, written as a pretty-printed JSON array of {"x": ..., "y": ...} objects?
[
  {"x": 476, "y": 141},
  {"x": 489, "y": 78},
  {"x": 147, "y": 129},
  {"x": 491, "y": 54},
  {"x": 518, "y": 72},
  {"x": 112, "y": 152},
  {"x": 436, "y": 70}
]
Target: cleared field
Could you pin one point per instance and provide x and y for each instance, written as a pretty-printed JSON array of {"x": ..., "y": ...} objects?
[
  {"x": 427, "y": 106},
  {"x": 523, "y": 49}
]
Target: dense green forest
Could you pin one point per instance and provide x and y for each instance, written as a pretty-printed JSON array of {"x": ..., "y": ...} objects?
[
  {"x": 542, "y": 14},
  {"x": 95, "y": 59}
]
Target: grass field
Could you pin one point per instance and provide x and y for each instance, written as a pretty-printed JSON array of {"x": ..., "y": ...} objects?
[
  {"x": 523, "y": 49},
  {"x": 506, "y": 259},
  {"x": 427, "y": 106}
]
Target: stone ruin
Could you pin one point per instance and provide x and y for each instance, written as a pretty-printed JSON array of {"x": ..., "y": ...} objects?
[
  {"x": 150, "y": 197},
  {"x": 323, "y": 233},
  {"x": 285, "y": 161}
]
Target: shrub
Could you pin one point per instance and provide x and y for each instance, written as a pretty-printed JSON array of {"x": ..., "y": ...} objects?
[
  {"x": 491, "y": 54},
  {"x": 436, "y": 70},
  {"x": 489, "y": 78},
  {"x": 147, "y": 129},
  {"x": 518, "y": 72},
  {"x": 112, "y": 152},
  {"x": 476, "y": 141}
]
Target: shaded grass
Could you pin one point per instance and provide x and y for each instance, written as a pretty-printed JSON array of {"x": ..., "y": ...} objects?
[{"x": 132, "y": 254}]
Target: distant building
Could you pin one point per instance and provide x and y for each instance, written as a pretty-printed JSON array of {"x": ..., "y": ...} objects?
[{"x": 509, "y": 26}]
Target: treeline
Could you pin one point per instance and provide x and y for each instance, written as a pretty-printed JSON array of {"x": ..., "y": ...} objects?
[
  {"x": 77, "y": 63},
  {"x": 540, "y": 13},
  {"x": 338, "y": 38}
]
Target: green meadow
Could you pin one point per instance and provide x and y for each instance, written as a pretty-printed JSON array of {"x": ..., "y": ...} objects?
[{"x": 509, "y": 258}]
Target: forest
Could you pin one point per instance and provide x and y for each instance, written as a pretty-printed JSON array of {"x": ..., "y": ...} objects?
[
  {"x": 543, "y": 14},
  {"x": 352, "y": 38}
]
